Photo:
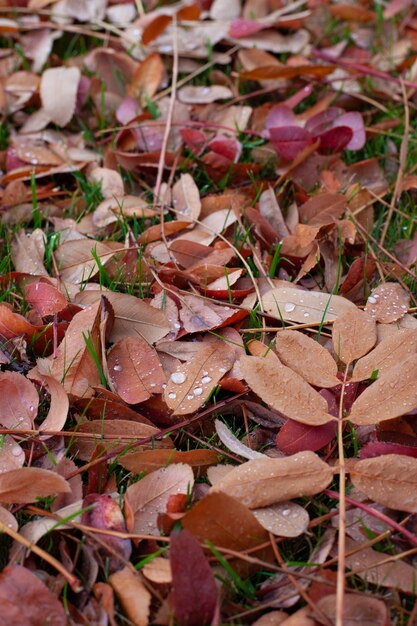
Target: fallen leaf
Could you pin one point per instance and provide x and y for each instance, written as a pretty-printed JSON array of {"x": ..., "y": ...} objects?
[
  {"x": 186, "y": 198},
  {"x": 388, "y": 303},
  {"x": 358, "y": 609},
  {"x": 392, "y": 395},
  {"x": 149, "y": 496},
  {"x": 26, "y": 484},
  {"x": 295, "y": 437},
  {"x": 194, "y": 590},
  {"x": 304, "y": 307},
  {"x": 273, "y": 618},
  {"x": 25, "y": 599},
  {"x": 158, "y": 571},
  {"x": 353, "y": 334},
  {"x": 390, "y": 480},
  {"x": 261, "y": 482},
  {"x": 151, "y": 460},
  {"x": 76, "y": 262},
  {"x": 19, "y": 401},
  {"x": 392, "y": 351},
  {"x": 60, "y": 111},
  {"x": 204, "y": 95},
  {"x": 233, "y": 444},
  {"x": 190, "y": 385},
  {"x": 28, "y": 252},
  {"x": 285, "y": 519},
  {"x": 289, "y": 141},
  {"x": 135, "y": 370},
  {"x": 59, "y": 404},
  {"x": 284, "y": 390},
  {"x": 132, "y": 594},
  {"x": 307, "y": 357},
  {"x": 45, "y": 298}
]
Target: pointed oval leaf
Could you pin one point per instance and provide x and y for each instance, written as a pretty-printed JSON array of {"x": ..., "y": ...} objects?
[
  {"x": 295, "y": 437},
  {"x": 45, "y": 298},
  {"x": 261, "y": 482},
  {"x": 388, "y": 303},
  {"x": 392, "y": 395},
  {"x": 285, "y": 519},
  {"x": 151, "y": 460},
  {"x": 304, "y": 307},
  {"x": 132, "y": 594},
  {"x": 284, "y": 390},
  {"x": 390, "y": 480},
  {"x": 358, "y": 609},
  {"x": 306, "y": 357},
  {"x": 289, "y": 141},
  {"x": 390, "y": 352},
  {"x": 26, "y": 484},
  {"x": 354, "y": 334},
  {"x": 233, "y": 444}
]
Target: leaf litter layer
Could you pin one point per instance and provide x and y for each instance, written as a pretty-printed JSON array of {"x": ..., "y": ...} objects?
[{"x": 208, "y": 339}]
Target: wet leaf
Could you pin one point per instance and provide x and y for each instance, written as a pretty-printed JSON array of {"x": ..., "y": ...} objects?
[
  {"x": 151, "y": 460},
  {"x": 186, "y": 198},
  {"x": 284, "y": 390},
  {"x": 233, "y": 444},
  {"x": 132, "y": 594},
  {"x": 45, "y": 298},
  {"x": 26, "y": 484},
  {"x": 135, "y": 370},
  {"x": 388, "y": 303},
  {"x": 194, "y": 590},
  {"x": 59, "y": 111},
  {"x": 307, "y": 357},
  {"x": 362, "y": 609},
  {"x": 261, "y": 482},
  {"x": 149, "y": 496},
  {"x": 392, "y": 351},
  {"x": 354, "y": 334},
  {"x": 304, "y": 307},
  {"x": 285, "y": 519},
  {"x": 19, "y": 401},
  {"x": 392, "y": 395}
]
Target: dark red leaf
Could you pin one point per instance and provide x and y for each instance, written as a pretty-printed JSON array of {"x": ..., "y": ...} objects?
[
  {"x": 295, "y": 437},
  {"x": 334, "y": 140},
  {"x": 194, "y": 592},
  {"x": 289, "y": 141},
  {"x": 377, "y": 448}
]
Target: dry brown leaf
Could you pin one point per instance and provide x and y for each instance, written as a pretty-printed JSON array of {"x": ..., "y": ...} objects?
[
  {"x": 392, "y": 395},
  {"x": 354, "y": 334},
  {"x": 366, "y": 564},
  {"x": 75, "y": 260},
  {"x": 358, "y": 609},
  {"x": 59, "y": 405},
  {"x": 186, "y": 198},
  {"x": 302, "y": 617},
  {"x": 26, "y": 484},
  {"x": 146, "y": 79},
  {"x": 151, "y": 460},
  {"x": 12, "y": 456},
  {"x": 112, "y": 433},
  {"x": 301, "y": 242},
  {"x": 261, "y": 482},
  {"x": 390, "y": 479},
  {"x": 198, "y": 315},
  {"x": 133, "y": 595},
  {"x": 307, "y": 357},
  {"x": 304, "y": 307},
  {"x": 388, "y": 303},
  {"x": 190, "y": 386},
  {"x": 19, "y": 401},
  {"x": 158, "y": 571},
  {"x": 391, "y": 351},
  {"x": 285, "y": 519},
  {"x": 60, "y": 110},
  {"x": 284, "y": 390},
  {"x": 132, "y": 316},
  {"x": 111, "y": 183},
  {"x": 322, "y": 209},
  {"x": 135, "y": 370},
  {"x": 204, "y": 95},
  {"x": 149, "y": 496},
  {"x": 74, "y": 365},
  {"x": 274, "y": 618},
  {"x": 28, "y": 252},
  {"x": 270, "y": 209}
]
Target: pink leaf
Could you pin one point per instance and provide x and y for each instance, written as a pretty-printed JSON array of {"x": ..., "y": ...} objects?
[
  {"x": 229, "y": 148},
  {"x": 194, "y": 592},
  {"x": 296, "y": 437},
  {"x": 354, "y": 121},
  {"x": 378, "y": 448},
  {"x": 127, "y": 110},
  {"x": 323, "y": 121},
  {"x": 195, "y": 140},
  {"x": 244, "y": 28},
  {"x": 289, "y": 141},
  {"x": 279, "y": 116}
]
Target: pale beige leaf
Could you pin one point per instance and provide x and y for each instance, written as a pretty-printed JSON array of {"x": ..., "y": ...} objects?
[
  {"x": 354, "y": 334},
  {"x": 209, "y": 227},
  {"x": 360, "y": 609},
  {"x": 221, "y": 10},
  {"x": 132, "y": 316},
  {"x": 270, "y": 209},
  {"x": 366, "y": 563},
  {"x": 186, "y": 198},
  {"x": 284, "y": 390},
  {"x": 388, "y": 303},
  {"x": 233, "y": 444},
  {"x": 75, "y": 260},
  {"x": 390, "y": 479},
  {"x": 217, "y": 472},
  {"x": 261, "y": 482},
  {"x": 273, "y": 618},
  {"x": 74, "y": 365},
  {"x": 12, "y": 456},
  {"x": 204, "y": 95},
  {"x": 149, "y": 496},
  {"x": 198, "y": 315},
  {"x": 26, "y": 484},
  {"x": 302, "y": 617},
  {"x": 307, "y": 357},
  {"x": 285, "y": 519},
  {"x": 304, "y": 307},
  {"x": 59, "y": 405},
  {"x": 392, "y": 350},
  {"x": 392, "y": 395},
  {"x": 158, "y": 571},
  {"x": 133, "y": 595},
  {"x": 65, "y": 79},
  {"x": 8, "y": 519},
  {"x": 191, "y": 384},
  {"x": 111, "y": 182},
  {"x": 273, "y": 41},
  {"x": 28, "y": 252}
]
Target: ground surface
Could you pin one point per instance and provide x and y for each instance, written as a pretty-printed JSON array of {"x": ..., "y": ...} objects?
[{"x": 208, "y": 348}]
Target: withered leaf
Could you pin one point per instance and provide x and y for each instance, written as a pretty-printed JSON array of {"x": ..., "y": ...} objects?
[
  {"x": 28, "y": 252},
  {"x": 158, "y": 571},
  {"x": 186, "y": 198},
  {"x": 149, "y": 496},
  {"x": 151, "y": 460},
  {"x": 390, "y": 352},
  {"x": 233, "y": 444},
  {"x": 45, "y": 298},
  {"x": 390, "y": 479},
  {"x": 285, "y": 519},
  {"x": 354, "y": 334},
  {"x": 261, "y": 482},
  {"x": 133, "y": 595},
  {"x": 135, "y": 370},
  {"x": 60, "y": 110},
  {"x": 19, "y": 401},
  {"x": 26, "y": 484},
  {"x": 304, "y": 307},
  {"x": 387, "y": 303},
  {"x": 76, "y": 262},
  {"x": 284, "y": 390},
  {"x": 307, "y": 357},
  {"x": 392, "y": 395},
  {"x": 191, "y": 384},
  {"x": 358, "y": 609}
]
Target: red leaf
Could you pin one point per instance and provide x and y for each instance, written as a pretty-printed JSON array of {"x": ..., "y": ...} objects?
[
  {"x": 279, "y": 116},
  {"x": 295, "y": 437},
  {"x": 377, "y": 448},
  {"x": 289, "y": 141},
  {"x": 45, "y": 298},
  {"x": 227, "y": 147},
  {"x": 195, "y": 140},
  {"x": 244, "y": 28},
  {"x": 334, "y": 140},
  {"x": 194, "y": 592}
]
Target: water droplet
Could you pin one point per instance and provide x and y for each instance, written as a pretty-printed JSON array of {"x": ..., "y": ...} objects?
[
  {"x": 172, "y": 395},
  {"x": 17, "y": 450},
  {"x": 177, "y": 325},
  {"x": 117, "y": 368},
  {"x": 372, "y": 300},
  {"x": 286, "y": 512},
  {"x": 289, "y": 306},
  {"x": 178, "y": 378},
  {"x": 306, "y": 314},
  {"x": 206, "y": 379},
  {"x": 190, "y": 397},
  {"x": 198, "y": 391},
  {"x": 222, "y": 369}
]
